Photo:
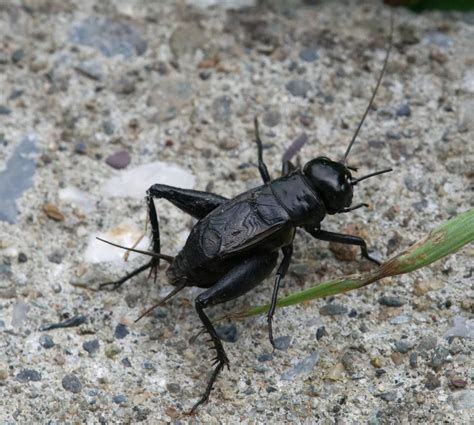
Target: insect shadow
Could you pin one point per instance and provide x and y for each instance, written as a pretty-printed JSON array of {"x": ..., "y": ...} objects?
[{"x": 235, "y": 243}]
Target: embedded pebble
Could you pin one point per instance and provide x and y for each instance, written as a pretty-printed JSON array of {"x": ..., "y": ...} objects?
[
  {"x": 310, "y": 54},
  {"x": 462, "y": 399},
  {"x": 91, "y": 346},
  {"x": 402, "y": 319},
  {"x": 91, "y": 69},
  {"x": 119, "y": 160},
  {"x": 404, "y": 346},
  {"x": 46, "y": 341},
  {"x": 71, "y": 383},
  {"x": 390, "y": 301},
  {"x": 20, "y": 168},
  {"x": 403, "y": 110},
  {"x": 227, "y": 333},
  {"x": 119, "y": 399},
  {"x": 222, "y": 109},
  {"x": 332, "y": 309},
  {"x": 110, "y": 36},
  {"x": 439, "y": 357},
  {"x": 304, "y": 366},
  {"x": 18, "y": 55},
  {"x": 265, "y": 357},
  {"x": 121, "y": 331},
  {"x": 298, "y": 88},
  {"x": 413, "y": 360},
  {"x": 282, "y": 342},
  {"x": 5, "y": 110},
  {"x": 28, "y": 375},
  {"x": 271, "y": 118},
  {"x": 19, "y": 313},
  {"x": 463, "y": 328},
  {"x": 320, "y": 332}
]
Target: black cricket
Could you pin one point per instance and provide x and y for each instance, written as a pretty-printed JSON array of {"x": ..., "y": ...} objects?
[{"x": 235, "y": 243}]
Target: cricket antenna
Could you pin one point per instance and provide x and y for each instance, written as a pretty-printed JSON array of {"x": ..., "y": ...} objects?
[
  {"x": 165, "y": 257},
  {"x": 387, "y": 54}
]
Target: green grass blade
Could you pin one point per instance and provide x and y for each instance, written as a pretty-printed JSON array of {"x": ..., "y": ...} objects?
[{"x": 440, "y": 242}]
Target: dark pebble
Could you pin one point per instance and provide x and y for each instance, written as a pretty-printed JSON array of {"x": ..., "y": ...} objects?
[
  {"x": 265, "y": 357},
  {"x": 390, "y": 301},
  {"x": 126, "y": 363},
  {"x": 18, "y": 55},
  {"x": 458, "y": 383},
  {"x": 15, "y": 94},
  {"x": 404, "y": 110},
  {"x": 124, "y": 85},
  {"x": 108, "y": 127},
  {"x": 28, "y": 375},
  {"x": 432, "y": 381},
  {"x": 282, "y": 342},
  {"x": 392, "y": 135},
  {"x": 227, "y": 333},
  {"x": 91, "y": 346},
  {"x": 388, "y": 396},
  {"x": 119, "y": 160},
  {"x": 80, "y": 148},
  {"x": 5, "y": 110},
  {"x": 298, "y": 88},
  {"x": 413, "y": 360},
  {"x": 352, "y": 313},
  {"x": 439, "y": 357},
  {"x": 205, "y": 74},
  {"x": 56, "y": 257},
  {"x": 271, "y": 118},
  {"x": 2, "y": 324},
  {"x": 222, "y": 108},
  {"x": 121, "y": 331},
  {"x": 148, "y": 365},
  {"x": 380, "y": 372},
  {"x": 72, "y": 384},
  {"x": 332, "y": 309},
  {"x": 403, "y": 346},
  {"x": 309, "y": 54},
  {"x": 119, "y": 399},
  {"x": 46, "y": 341},
  {"x": 91, "y": 69},
  {"x": 173, "y": 388},
  {"x": 22, "y": 258},
  {"x": 271, "y": 389},
  {"x": 321, "y": 332},
  {"x": 76, "y": 320}
]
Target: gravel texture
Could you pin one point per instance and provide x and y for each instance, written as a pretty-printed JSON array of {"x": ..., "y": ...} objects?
[{"x": 94, "y": 89}]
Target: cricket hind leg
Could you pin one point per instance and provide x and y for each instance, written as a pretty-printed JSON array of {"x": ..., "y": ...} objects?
[
  {"x": 324, "y": 235},
  {"x": 193, "y": 202},
  {"x": 239, "y": 280}
]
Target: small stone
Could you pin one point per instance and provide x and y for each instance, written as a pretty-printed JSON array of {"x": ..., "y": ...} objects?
[
  {"x": 282, "y": 343},
  {"x": 380, "y": 372},
  {"x": 112, "y": 350},
  {"x": 28, "y": 375},
  {"x": 46, "y": 341},
  {"x": 376, "y": 362},
  {"x": 5, "y": 110},
  {"x": 3, "y": 58},
  {"x": 91, "y": 346},
  {"x": 310, "y": 54},
  {"x": 457, "y": 382},
  {"x": 298, "y": 88},
  {"x": 403, "y": 346},
  {"x": 332, "y": 309},
  {"x": 3, "y": 374},
  {"x": 222, "y": 109},
  {"x": 271, "y": 118},
  {"x": 413, "y": 360},
  {"x": 56, "y": 257},
  {"x": 91, "y": 69},
  {"x": 108, "y": 127},
  {"x": 439, "y": 357},
  {"x": 304, "y": 366},
  {"x": 402, "y": 319},
  {"x": 124, "y": 85},
  {"x": 126, "y": 362},
  {"x": 119, "y": 160},
  {"x": 121, "y": 331},
  {"x": 336, "y": 372},
  {"x": 265, "y": 357},
  {"x": 72, "y": 384},
  {"x": 463, "y": 400},
  {"x": 119, "y": 399},
  {"x": 173, "y": 388},
  {"x": 388, "y": 396},
  {"x": 227, "y": 333},
  {"x": 320, "y": 332},
  {"x": 404, "y": 110},
  {"x": 390, "y": 301},
  {"x": 397, "y": 358},
  {"x": 205, "y": 74},
  {"x": 80, "y": 148},
  {"x": 432, "y": 381},
  {"x": 22, "y": 258},
  {"x": 18, "y": 55},
  {"x": 350, "y": 362}
]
